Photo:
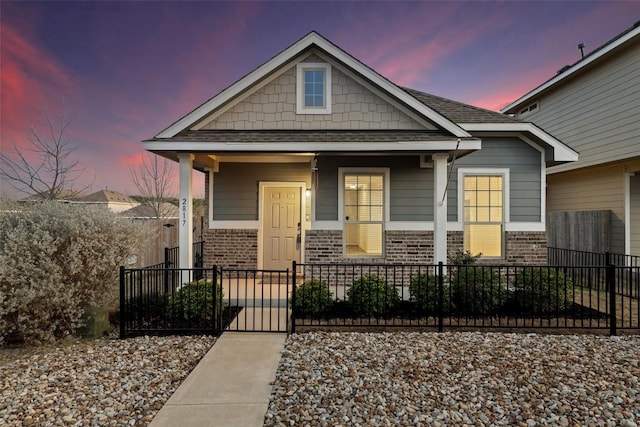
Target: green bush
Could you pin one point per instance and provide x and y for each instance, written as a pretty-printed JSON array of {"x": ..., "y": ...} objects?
[
  {"x": 56, "y": 260},
  {"x": 423, "y": 289},
  {"x": 542, "y": 290},
  {"x": 313, "y": 299},
  {"x": 194, "y": 302},
  {"x": 463, "y": 258},
  {"x": 371, "y": 295},
  {"x": 477, "y": 291}
]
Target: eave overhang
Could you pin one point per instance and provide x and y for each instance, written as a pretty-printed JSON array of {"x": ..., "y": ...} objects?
[{"x": 560, "y": 152}]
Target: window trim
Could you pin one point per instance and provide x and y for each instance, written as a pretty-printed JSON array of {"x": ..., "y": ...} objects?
[
  {"x": 386, "y": 197},
  {"x": 505, "y": 173},
  {"x": 300, "y": 83}
]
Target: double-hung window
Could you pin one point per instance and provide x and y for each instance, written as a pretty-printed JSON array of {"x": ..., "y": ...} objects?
[
  {"x": 313, "y": 88},
  {"x": 484, "y": 213},
  {"x": 364, "y": 213}
]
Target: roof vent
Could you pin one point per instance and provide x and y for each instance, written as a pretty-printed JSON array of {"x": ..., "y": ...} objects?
[
  {"x": 563, "y": 69},
  {"x": 581, "y": 47}
]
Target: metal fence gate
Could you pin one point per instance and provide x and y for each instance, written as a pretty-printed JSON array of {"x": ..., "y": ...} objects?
[{"x": 162, "y": 301}]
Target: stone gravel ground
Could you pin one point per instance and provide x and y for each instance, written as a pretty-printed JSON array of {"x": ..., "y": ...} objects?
[
  {"x": 100, "y": 383},
  {"x": 460, "y": 378}
]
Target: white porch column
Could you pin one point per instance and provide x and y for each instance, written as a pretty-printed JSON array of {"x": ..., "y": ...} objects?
[
  {"x": 439, "y": 207},
  {"x": 185, "y": 220}
]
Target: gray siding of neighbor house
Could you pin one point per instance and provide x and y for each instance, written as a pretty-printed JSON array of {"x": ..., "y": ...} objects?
[
  {"x": 236, "y": 187},
  {"x": 596, "y": 112},
  {"x": 411, "y": 192},
  {"x": 274, "y": 107}
]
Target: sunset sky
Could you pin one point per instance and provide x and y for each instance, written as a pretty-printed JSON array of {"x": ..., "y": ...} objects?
[{"x": 123, "y": 71}]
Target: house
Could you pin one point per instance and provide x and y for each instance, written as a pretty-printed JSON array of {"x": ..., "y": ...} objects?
[
  {"x": 594, "y": 107},
  {"x": 112, "y": 200},
  {"x": 315, "y": 157},
  {"x": 149, "y": 210}
]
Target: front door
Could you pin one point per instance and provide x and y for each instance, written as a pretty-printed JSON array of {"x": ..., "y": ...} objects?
[{"x": 280, "y": 227}]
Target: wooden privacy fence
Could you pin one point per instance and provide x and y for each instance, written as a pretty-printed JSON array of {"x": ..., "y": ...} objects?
[{"x": 579, "y": 230}]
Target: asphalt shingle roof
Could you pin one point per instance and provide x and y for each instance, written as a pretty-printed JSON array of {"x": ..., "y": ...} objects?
[{"x": 459, "y": 112}]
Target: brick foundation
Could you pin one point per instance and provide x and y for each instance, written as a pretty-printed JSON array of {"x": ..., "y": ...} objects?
[
  {"x": 231, "y": 248},
  {"x": 239, "y": 248},
  {"x": 526, "y": 247}
]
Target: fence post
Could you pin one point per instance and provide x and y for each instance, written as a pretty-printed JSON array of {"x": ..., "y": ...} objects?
[
  {"x": 122, "y": 302},
  {"x": 440, "y": 296},
  {"x": 214, "y": 280},
  {"x": 611, "y": 287},
  {"x": 293, "y": 296},
  {"x": 167, "y": 265}
]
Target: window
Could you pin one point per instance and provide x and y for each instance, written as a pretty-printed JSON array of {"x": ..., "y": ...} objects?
[
  {"x": 529, "y": 109},
  {"x": 484, "y": 214},
  {"x": 313, "y": 88},
  {"x": 363, "y": 214}
]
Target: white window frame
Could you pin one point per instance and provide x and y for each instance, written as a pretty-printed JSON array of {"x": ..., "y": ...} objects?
[
  {"x": 308, "y": 66},
  {"x": 504, "y": 172},
  {"x": 387, "y": 199}
]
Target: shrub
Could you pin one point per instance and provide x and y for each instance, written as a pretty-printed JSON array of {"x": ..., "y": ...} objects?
[
  {"x": 424, "y": 291},
  {"x": 313, "y": 299},
  {"x": 542, "y": 290},
  {"x": 371, "y": 295},
  {"x": 194, "y": 302},
  {"x": 55, "y": 260},
  {"x": 477, "y": 290},
  {"x": 463, "y": 258}
]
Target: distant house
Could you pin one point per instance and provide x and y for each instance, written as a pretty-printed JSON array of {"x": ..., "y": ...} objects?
[
  {"x": 148, "y": 211},
  {"x": 594, "y": 107},
  {"x": 317, "y": 158},
  {"x": 64, "y": 195},
  {"x": 112, "y": 200}
]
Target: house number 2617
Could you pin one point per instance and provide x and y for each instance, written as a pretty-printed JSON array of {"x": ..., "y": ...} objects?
[{"x": 184, "y": 211}]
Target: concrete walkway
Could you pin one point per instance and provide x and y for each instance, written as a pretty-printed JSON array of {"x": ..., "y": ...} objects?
[{"x": 230, "y": 386}]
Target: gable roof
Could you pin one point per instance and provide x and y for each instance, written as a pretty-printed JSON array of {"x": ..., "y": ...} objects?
[
  {"x": 146, "y": 210},
  {"x": 312, "y": 39},
  {"x": 107, "y": 196},
  {"x": 569, "y": 71}
]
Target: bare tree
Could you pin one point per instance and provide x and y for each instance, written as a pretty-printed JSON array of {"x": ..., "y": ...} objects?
[
  {"x": 45, "y": 167},
  {"x": 153, "y": 177}
]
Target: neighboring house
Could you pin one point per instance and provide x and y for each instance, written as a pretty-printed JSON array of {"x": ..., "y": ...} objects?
[
  {"x": 112, "y": 200},
  {"x": 147, "y": 210},
  {"x": 315, "y": 157},
  {"x": 594, "y": 107},
  {"x": 63, "y": 195}
]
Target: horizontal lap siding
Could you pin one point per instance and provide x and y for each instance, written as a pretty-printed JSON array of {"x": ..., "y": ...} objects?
[
  {"x": 236, "y": 186},
  {"x": 411, "y": 191},
  {"x": 597, "y": 188},
  {"x": 596, "y": 113},
  {"x": 523, "y": 162}
]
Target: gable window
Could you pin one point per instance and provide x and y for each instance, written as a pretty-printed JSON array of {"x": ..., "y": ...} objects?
[
  {"x": 363, "y": 198},
  {"x": 313, "y": 88},
  {"x": 484, "y": 213}
]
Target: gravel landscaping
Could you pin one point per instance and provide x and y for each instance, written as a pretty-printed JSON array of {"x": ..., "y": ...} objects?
[
  {"x": 98, "y": 383},
  {"x": 460, "y": 378}
]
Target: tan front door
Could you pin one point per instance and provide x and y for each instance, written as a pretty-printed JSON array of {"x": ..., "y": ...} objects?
[{"x": 280, "y": 227}]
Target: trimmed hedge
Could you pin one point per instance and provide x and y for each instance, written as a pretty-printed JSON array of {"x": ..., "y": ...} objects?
[
  {"x": 477, "y": 290},
  {"x": 313, "y": 299},
  {"x": 372, "y": 295},
  {"x": 194, "y": 303},
  {"x": 423, "y": 289},
  {"x": 542, "y": 290}
]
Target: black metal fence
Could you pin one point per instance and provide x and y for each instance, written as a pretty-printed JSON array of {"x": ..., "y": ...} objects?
[
  {"x": 464, "y": 296},
  {"x": 160, "y": 301}
]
